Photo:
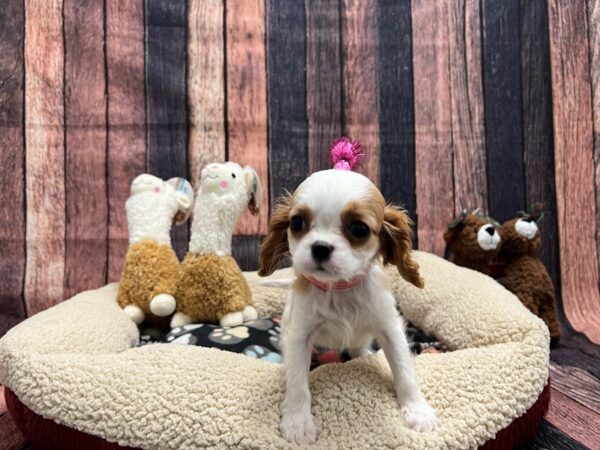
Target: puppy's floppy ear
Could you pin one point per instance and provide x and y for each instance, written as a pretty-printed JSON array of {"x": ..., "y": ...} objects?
[
  {"x": 396, "y": 244},
  {"x": 274, "y": 247}
]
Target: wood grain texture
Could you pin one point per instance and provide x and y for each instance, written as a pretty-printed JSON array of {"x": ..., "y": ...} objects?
[
  {"x": 575, "y": 420},
  {"x": 323, "y": 80},
  {"x": 205, "y": 84},
  {"x": 44, "y": 143},
  {"x": 593, "y": 17},
  {"x": 247, "y": 99},
  {"x": 396, "y": 103},
  {"x": 126, "y": 153},
  {"x": 359, "y": 76},
  {"x": 288, "y": 128},
  {"x": 85, "y": 142},
  {"x": 468, "y": 131},
  {"x": 577, "y": 384},
  {"x": 12, "y": 160},
  {"x": 503, "y": 126},
  {"x": 433, "y": 123},
  {"x": 538, "y": 146},
  {"x": 245, "y": 250},
  {"x": 549, "y": 437},
  {"x": 577, "y": 351},
  {"x": 166, "y": 97},
  {"x": 574, "y": 169}
]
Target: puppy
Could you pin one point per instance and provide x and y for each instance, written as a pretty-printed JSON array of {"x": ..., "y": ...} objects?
[{"x": 338, "y": 231}]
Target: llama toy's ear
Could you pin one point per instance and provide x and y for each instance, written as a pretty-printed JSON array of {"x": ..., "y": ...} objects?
[
  {"x": 254, "y": 189},
  {"x": 185, "y": 199}
]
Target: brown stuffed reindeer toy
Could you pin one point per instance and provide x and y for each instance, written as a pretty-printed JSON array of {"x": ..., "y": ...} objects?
[
  {"x": 472, "y": 241},
  {"x": 525, "y": 275}
]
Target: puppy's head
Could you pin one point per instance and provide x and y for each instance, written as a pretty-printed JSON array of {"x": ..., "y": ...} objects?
[{"x": 334, "y": 226}]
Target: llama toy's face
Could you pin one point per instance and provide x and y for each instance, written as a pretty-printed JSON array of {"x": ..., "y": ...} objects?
[
  {"x": 222, "y": 178},
  {"x": 148, "y": 183},
  {"x": 232, "y": 180}
]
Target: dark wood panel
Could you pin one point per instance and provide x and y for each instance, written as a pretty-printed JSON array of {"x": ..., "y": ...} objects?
[
  {"x": 247, "y": 99},
  {"x": 45, "y": 161},
  {"x": 537, "y": 126},
  {"x": 288, "y": 127},
  {"x": 245, "y": 250},
  {"x": 359, "y": 76},
  {"x": 126, "y": 153},
  {"x": 575, "y": 420},
  {"x": 574, "y": 171},
  {"x": 549, "y": 437},
  {"x": 503, "y": 116},
  {"x": 433, "y": 122},
  {"x": 12, "y": 161},
  {"x": 396, "y": 104},
  {"x": 468, "y": 131},
  {"x": 205, "y": 84},
  {"x": 166, "y": 96},
  {"x": 323, "y": 80},
  {"x": 85, "y": 142}
]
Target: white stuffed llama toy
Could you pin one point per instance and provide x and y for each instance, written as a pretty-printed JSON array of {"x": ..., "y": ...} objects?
[
  {"x": 210, "y": 286},
  {"x": 151, "y": 266}
]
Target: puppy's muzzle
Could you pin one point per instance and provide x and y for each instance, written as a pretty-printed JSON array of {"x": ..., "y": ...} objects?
[{"x": 321, "y": 251}]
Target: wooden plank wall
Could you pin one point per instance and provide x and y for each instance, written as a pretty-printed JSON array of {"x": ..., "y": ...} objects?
[{"x": 459, "y": 103}]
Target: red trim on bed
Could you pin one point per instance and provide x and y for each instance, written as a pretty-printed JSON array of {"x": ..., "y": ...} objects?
[
  {"x": 523, "y": 429},
  {"x": 45, "y": 433}
]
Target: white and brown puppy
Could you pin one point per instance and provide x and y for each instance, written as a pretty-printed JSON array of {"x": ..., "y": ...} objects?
[{"x": 338, "y": 231}]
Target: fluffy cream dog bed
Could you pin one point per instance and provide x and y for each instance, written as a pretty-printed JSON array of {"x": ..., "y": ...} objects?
[{"x": 76, "y": 364}]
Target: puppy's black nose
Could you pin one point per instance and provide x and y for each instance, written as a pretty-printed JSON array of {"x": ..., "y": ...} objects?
[
  {"x": 321, "y": 251},
  {"x": 490, "y": 231}
]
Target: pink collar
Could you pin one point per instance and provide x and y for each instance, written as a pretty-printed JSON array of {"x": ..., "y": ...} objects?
[{"x": 337, "y": 286}]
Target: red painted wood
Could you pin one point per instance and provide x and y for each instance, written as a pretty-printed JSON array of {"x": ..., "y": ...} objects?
[
  {"x": 247, "y": 99},
  {"x": 433, "y": 123},
  {"x": 467, "y": 106},
  {"x": 577, "y": 384},
  {"x": 359, "y": 38},
  {"x": 126, "y": 153},
  {"x": 574, "y": 420},
  {"x": 85, "y": 139},
  {"x": 573, "y": 143},
  {"x": 205, "y": 85},
  {"x": 12, "y": 152},
  {"x": 593, "y": 16},
  {"x": 44, "y": 143}
]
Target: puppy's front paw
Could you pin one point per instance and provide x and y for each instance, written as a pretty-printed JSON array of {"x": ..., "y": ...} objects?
[
  {"x": 299, "y": 427},
  {"x": 419, "y": 416}
]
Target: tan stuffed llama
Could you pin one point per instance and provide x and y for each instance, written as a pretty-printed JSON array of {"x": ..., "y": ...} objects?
[
  {"x": 210, "y": 286},
  {"x": 151, "y": 266}
]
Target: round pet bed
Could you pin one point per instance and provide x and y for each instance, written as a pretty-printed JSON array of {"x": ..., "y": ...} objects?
[{"x": 77, "y": 366}]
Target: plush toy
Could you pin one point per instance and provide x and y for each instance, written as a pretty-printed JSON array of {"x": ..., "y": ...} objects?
[
  {"x": 151, "y": 266},
  {"x": 472, "y": 241},
  {"x": 525, "y": 275},
  {"x": 210, "y": 286}
]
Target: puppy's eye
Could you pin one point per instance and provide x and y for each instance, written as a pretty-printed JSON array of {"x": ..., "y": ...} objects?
[
  {"x": 297, "y": 223},
  {"x": 359, "y": 230}
]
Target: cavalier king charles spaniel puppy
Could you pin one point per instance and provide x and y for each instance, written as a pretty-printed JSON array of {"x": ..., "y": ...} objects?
[{"x": 340, "y": 233}]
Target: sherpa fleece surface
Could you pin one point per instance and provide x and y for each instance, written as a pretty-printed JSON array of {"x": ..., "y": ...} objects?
[{"x": 77, "y": 364}]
